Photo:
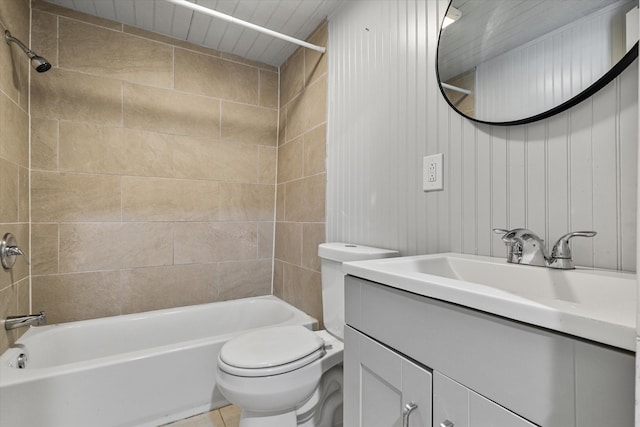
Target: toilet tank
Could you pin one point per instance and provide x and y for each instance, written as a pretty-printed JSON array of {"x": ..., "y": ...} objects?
[{"x": 332, "y": 255}]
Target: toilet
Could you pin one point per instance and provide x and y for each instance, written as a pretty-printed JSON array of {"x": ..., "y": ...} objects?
[{"x": 288, "y": 376}]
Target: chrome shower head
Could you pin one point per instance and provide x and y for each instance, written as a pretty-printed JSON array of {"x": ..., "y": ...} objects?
[{"x": 37, "y": 62}]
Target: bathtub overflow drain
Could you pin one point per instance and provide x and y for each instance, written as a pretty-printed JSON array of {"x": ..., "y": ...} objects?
[{"x": 22, "y": 361}]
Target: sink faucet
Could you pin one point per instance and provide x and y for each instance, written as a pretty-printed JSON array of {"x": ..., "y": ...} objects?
[
  {"x": 525, "y": 247},
  {"x": 14, "y": 322}
]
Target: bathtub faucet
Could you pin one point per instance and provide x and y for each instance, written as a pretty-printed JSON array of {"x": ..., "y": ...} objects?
[{"x": 14, "y": 322}]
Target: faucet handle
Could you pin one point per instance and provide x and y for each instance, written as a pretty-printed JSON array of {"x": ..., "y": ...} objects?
[{"x": 562, "y": 250}]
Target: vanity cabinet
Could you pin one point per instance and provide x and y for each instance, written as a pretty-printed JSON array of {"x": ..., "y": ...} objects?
[
  {"x": 483, "y": 370},
  {"x": 380, "y": 385}
]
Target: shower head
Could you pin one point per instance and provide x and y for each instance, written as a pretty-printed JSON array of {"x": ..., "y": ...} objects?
[{"x": 37, "y": 62}]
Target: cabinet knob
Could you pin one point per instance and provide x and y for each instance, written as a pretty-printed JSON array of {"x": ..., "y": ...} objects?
[
  {"x": 446, "y": 423},
  {"x": 408, "y": 408}
]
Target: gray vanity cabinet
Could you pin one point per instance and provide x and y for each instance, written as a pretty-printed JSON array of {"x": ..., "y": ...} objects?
[
  {"x": 380, "y": 385},
  {"x": 480, "y": 370}
]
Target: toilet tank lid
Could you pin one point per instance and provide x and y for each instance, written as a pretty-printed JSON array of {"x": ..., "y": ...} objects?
[{"x": 345, "y": 252}]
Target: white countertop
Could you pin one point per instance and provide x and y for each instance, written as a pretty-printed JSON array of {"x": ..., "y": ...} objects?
[{"x": 598, "y": 305}]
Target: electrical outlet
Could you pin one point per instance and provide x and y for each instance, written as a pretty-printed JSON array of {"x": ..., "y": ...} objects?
[{"x": 432, "y": 172}]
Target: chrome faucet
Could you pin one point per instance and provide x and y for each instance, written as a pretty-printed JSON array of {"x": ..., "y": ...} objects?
[
  {"x": 14, "y": 322},
  {"x": 525, "y": 247}
]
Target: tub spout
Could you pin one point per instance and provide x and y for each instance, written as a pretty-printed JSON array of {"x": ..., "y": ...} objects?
[{"x": 14, "y": 322}]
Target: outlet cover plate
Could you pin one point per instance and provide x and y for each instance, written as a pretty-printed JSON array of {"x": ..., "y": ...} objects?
[{"x": 432, "y": 172}]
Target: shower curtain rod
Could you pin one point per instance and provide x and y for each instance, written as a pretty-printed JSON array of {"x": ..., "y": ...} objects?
[
  {"x": 456, "y": 88},
  {"x": 233, "y": 20}
]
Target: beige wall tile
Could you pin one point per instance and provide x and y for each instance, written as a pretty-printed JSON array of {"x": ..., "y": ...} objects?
[
  {"x": 14, "y": 76},
  {"x": 14, "y": 300},
  {"x": 315, "y": 148},
  {"x": 241, "y": 60},
  {"x": 44, "y": 144},
  {"x": 101, "y": 149},
  {"x": 246, "y": 123},
  {"x": 269, "y": 89},
  {"x": 20, "y": 270},
  {"x": 70, "y": 13},
  {"x": 243, "y": 279},
  {"x": 44, "y": 35},
  {"x": 278, "y": 279},
  {"x": 246, "y": 202},
  {"x": 23, "y": 195},
  {"x": 216, "y": 77},
  {"x": 209, "y": 242},
  {"x": 8, "y": 307},
  {"x": 267, "y": 165},
  {"x": 265, "y": 239},
  {"x": 303, "y": 289},
  {"x": 162, "y": 110},
  {"x": 44, "y": 249},
  {"x": 291, "y": 160},
  {"x": 223, "y": 161},
  {"x": 9, "y": 191},
  {"x": 289, "y": 242},
  {"x": 69, "y": 95},
  {"x": 113, "y": 246},
  {"x": 292, "y": 77},
  {"x": 155, "y": 288},
  {"x": 282, "y": 126},
  {"x": 161, "y": 199},
  {"x": 305, "y": 199},
  {"x": 308, "y": 110},
  {"x": 316, "y": 103},
  {"x": 169, "y": 40},
  {"x": 82, "y": 296},
  {"x": 315, "y": 63},
  {"x": 14, "y": 125},
  {"x": 74, "y": 197},
  {"x": 114, "y": 54},
  {"x": 280, "y": 199},
  {"x": 312, "y": 235}
]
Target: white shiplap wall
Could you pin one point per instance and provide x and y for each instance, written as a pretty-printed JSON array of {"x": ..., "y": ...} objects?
[{"x": 575, "y": 171}]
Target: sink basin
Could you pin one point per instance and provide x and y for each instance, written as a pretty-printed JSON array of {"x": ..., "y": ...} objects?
[{"x": 598, "y": 305}]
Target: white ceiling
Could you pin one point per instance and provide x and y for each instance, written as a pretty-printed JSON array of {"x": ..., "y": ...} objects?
[{"x": 296, "y": 18}]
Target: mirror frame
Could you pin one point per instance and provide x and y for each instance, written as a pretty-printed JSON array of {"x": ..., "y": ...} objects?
[{"x": 613, "y": 72}]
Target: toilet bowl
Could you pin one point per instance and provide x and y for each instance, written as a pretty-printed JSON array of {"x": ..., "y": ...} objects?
[{"x": 291, "y": 376}]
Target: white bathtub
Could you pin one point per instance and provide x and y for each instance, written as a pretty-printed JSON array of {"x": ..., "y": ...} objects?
[{"x": 141, "y": 369}]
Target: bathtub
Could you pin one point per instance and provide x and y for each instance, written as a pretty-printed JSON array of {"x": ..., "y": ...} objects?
[{"x": 141, "y": 369}]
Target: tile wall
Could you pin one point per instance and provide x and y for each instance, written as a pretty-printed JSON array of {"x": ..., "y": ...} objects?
[
  {"x": 301, "y": 177},
  {"x": 14, "y": 162},
  {"x": 153, "y": 170}
]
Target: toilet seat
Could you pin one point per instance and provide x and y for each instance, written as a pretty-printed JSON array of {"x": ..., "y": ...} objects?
[{"x": 270, "y": 351}]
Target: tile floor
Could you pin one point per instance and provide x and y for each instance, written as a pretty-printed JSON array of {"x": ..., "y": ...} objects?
[{"x": 229, "y": 416}]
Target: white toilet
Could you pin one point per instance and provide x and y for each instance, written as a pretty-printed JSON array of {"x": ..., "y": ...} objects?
[{"x": 290, "y": 376}]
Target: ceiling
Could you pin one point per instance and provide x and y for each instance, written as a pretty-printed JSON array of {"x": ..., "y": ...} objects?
[{"x": 296, "y": 18}]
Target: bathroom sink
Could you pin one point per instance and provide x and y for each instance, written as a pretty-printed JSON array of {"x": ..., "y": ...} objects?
[{"x": 598, "y": 305}]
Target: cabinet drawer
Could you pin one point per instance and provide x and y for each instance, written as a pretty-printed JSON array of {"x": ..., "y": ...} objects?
[{"x": 454, "y": 405}]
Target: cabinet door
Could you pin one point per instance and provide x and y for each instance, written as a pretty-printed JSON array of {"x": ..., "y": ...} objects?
[
  {"x": 379, "y": 383},
  {"x": 454, "y": 405}
]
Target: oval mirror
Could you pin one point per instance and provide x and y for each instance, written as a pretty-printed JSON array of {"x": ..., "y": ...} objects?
[{"x": 508, "y": 62}]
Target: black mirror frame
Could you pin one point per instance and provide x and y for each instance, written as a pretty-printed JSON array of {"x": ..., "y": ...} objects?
[{"x": 626, "y": 60}]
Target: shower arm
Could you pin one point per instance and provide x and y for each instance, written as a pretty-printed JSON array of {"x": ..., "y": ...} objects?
[{"x": 10, "y": 38}]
